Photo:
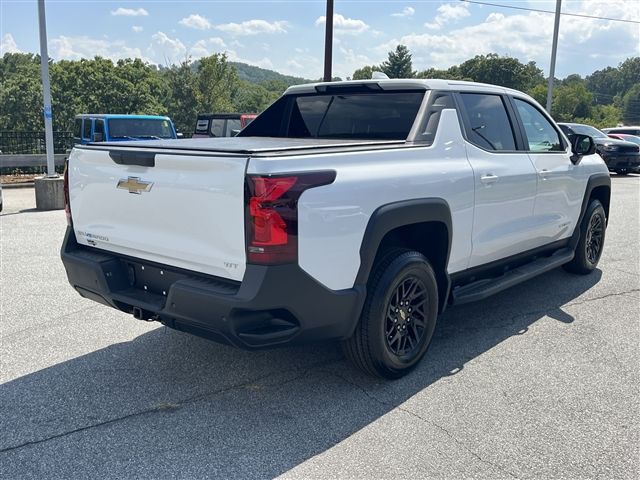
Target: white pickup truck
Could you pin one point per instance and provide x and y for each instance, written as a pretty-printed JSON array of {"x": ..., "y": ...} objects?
[{"x": 353, "y": 211}]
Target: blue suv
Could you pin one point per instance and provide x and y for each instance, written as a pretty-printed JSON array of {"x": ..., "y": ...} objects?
[{"x": 113, "y": 128}]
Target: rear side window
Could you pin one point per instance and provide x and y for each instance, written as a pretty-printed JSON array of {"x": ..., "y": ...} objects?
[
  {"x": 77, "y": 128},
  {"x": 202, "y": 126},
  {"x": 541, "y": 136},
  {"x": 233, "y": 126},
  {"x": 217, "y": 127},
  {"x": 489, "y": 125},
  {"x": 349, "y": 115},
  {"x": 86, "y": 131}
]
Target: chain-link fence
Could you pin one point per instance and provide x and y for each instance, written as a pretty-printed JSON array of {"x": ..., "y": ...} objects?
[{"x": 33, "y": 143}]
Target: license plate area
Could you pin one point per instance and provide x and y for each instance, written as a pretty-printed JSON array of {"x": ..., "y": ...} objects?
[{"x": 150, "y": 278}]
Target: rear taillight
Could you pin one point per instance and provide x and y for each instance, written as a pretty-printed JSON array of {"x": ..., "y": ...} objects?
[
  {"x": 67, "y": 203},
  {"x": 272, "y": 214}
]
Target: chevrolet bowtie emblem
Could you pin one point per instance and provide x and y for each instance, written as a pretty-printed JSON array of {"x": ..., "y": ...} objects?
[{"x": 134, "y": 185}]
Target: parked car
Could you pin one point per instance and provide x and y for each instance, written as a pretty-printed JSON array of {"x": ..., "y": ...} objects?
[
  {"x": 620, "y": 156},
  {"x": 115, "y": 128},
  {"x": 221, "y": 124},
  {"x": 626, "y": 137},
  {"x": 0, "y": 197},
  {"x": 353, "y": 211},
  {"x": 629, "y": 130}
]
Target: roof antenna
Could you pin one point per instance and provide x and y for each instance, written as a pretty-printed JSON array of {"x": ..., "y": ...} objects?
[{"x": 379, "y": 76}]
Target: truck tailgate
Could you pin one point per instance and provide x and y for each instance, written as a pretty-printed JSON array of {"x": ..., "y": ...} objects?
[{"x": 186, "y": 211}]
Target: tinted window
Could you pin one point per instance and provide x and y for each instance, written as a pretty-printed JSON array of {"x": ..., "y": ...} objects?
[
  {"x": 490, "y": 127},
  {"x": 541, "y": 135},
  {"x": 77, "y": 129},
  {"x": 140, "y": 128},
  {"x": 383, "y": 115},
  {"x": 585, "y": 130},
  {"x": 377, "y": 116},
  {"x": 217, "y": 127},
  {"x": 86, "y": 132},
  {"x": 99, "y": 127},
  {"x": 233, "y": 126}
]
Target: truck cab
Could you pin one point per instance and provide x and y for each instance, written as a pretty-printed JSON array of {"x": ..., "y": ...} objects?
[{"x": 90, "y": 128}]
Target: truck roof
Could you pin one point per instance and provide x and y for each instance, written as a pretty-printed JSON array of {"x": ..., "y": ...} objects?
[
  {"x": 121, "y": 115},
  {"x": 402, "y": 84}
]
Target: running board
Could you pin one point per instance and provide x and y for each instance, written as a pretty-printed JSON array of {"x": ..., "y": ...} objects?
[{"x": 485, "y": 288}]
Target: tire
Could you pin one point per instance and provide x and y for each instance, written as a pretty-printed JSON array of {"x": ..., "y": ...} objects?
[
  {"x": 591, "y": 242},
  {"x": 622, "y": 172},
  {"x": 402, "y": 287}
]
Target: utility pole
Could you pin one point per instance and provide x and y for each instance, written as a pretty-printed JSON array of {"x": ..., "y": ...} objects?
[
  {"x": 554, "y": 50},
  {"x": 328, "y": 42},
  {"x": 46, "y": 90}
]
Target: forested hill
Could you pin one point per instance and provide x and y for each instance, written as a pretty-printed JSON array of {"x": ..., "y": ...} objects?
[{"x": 253, "y": 74}]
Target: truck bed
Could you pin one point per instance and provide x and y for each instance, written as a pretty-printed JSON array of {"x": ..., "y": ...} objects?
[{"x": 251, "y": 145}]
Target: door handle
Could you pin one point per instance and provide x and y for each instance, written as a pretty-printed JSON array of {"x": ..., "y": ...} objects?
[
  {"x": 489, "y": 178},
  {"x": 544, "y": 173}
]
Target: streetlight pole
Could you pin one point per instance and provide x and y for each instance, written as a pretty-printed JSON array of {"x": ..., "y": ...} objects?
[
  {"x": 46, "y": 90},
  {"x": 328, "y": 41},
  {"x": 554, "y": 50}
]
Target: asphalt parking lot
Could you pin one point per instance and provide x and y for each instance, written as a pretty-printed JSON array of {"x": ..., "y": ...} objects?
[{"x": 540, "y": 381}]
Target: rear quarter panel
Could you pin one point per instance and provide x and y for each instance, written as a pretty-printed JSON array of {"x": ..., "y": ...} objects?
[{"x": 333, "y": 218}]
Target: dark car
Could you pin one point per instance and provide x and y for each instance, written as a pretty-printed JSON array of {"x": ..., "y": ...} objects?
[
  {"x": 629, "y": 130},
  {"x": 620, "y": 156},
  {"x": 221, "y": 124}
]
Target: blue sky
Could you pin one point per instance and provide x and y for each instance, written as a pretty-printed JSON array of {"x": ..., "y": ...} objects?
[{"x": 288, "y": 36}]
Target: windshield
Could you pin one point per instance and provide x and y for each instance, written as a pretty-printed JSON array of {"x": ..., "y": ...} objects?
[
  {"x": 587, "y": 130},
  {"x": 629, "y": 138},
  {"x": 140, "y": 128},
  {"x": 380, "y": 116}
]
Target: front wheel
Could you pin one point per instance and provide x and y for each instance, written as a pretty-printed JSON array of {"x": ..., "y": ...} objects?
[
  {"x": 591, "y": 243},
  {"x": 398, "y": 318}
]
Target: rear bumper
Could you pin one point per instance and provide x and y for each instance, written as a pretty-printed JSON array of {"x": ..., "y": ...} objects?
[{"x": 274, "y": 305}]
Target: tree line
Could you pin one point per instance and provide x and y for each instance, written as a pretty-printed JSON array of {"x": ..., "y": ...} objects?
[
  {"x": 128, "y": 86},
  {"x": 603, "y": 99},
  {"x": 212, "y": 84}
]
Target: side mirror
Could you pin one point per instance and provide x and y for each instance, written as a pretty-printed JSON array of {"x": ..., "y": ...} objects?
[
  {"x": 179, "y": 135},
  {"x": 98, "y": 137},
  {"x": 581, "y": 145}
]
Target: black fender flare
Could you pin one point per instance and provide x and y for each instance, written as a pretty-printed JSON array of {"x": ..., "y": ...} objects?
[
  {"x": 595, "y": 181},
  {"x": 399, "y": 214}
]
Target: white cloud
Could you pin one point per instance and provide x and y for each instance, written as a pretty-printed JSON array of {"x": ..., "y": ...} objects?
[
  {"x": 527, "y": 36},
  {"x": 137, "y": 28},
  {"x": 406, "y": 12},
  {"x": 166, "y": 49},
  {"x": 254, "y": 27},
  {"x": 75, "y": 48},
  {"x": 208, "y": 46},
  {"x": 345, "y": 26},
  {"x": 448, "y": 12},
  {"x": 196, "y": 21},
  {"x": 8, "y": 44},
  {"x": 129, "y": 12},
  {"x": 264, "y": 62}
]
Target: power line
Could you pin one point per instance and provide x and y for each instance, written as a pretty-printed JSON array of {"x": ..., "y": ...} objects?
[{"x": 553, "y": 13}]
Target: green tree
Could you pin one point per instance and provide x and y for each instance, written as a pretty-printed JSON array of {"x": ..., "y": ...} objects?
[
  {"x": 217, "y": 83},
  {"x": 504, "y": 71},
  {"x": 571, "y": 102},
  {"x": 631, "y": 105},
  {"x": 251, "y": 98},
  {"x": 366, "y": 72},
  {"x": 20, "y": 92},
  {"x": 398, "y": 63},
  {"x": 181, "y": 100}
]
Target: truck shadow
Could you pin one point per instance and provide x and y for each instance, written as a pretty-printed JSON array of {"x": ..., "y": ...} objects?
[{"x": 171, "y": 405}]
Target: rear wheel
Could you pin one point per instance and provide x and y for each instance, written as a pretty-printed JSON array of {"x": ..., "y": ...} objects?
[
  {"x": 398, "y": 318},
  {"x": 591, "y": 243},
  {"x": 622, "y": 171}
]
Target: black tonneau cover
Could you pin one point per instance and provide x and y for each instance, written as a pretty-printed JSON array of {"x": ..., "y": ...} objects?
[{"x": 247, "y": 145}]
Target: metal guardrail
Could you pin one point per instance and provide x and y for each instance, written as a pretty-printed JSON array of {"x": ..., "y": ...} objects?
[{"x": 30, "y": 161}]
